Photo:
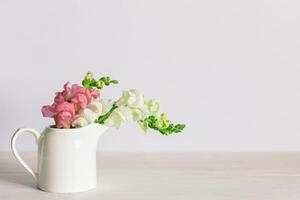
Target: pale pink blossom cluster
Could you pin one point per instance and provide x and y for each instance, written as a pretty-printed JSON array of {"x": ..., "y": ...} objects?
[{"x": 68, "y": 104}]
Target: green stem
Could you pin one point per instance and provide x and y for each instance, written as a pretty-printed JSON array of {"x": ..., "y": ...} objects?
[{"x": 104, "y": 117}]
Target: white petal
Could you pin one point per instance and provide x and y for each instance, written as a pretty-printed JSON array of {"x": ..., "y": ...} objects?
[
  {"x": 80, "y": 122},
  {"x": 132, "y": 98},
  {"x": 139, "y": 113},
  {"x": 152, "y": 106},
  {"x": 125, "y": 113},
  {"x": 123, "y": 99},
  {"x": 96, "y": 107},
  {"x": 113, "y": 121},
  {"x": 139, "y": 99},
  {"x": 89, "y": 115}
]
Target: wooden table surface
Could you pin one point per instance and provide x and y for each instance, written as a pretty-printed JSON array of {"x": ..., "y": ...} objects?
[{"x": 168, "y": 176}]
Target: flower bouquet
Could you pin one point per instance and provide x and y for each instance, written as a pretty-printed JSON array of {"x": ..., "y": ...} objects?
[{"x": 80, "y": 105}]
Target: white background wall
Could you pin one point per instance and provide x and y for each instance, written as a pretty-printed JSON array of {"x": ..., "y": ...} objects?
[{"x": 229, "y": 69}]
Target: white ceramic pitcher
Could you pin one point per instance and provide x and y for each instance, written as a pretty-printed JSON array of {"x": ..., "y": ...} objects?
[{"x": 66, "y": 158}]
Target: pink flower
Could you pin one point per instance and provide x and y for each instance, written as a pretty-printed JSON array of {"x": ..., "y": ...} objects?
[
  {"x": 77, "y": 95},
  {"x": 63, "y": 113},
  {"x": 68, "y": 104}
]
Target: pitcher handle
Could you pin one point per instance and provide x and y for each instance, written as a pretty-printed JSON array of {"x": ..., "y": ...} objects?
[{"x": 36, "y": 134}]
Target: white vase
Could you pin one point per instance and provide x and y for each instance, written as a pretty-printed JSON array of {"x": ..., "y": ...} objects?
[{"x": 66, "y": 158}]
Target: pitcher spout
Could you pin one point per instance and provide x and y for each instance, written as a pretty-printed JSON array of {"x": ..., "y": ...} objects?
[{"x": 96, "y": 131}]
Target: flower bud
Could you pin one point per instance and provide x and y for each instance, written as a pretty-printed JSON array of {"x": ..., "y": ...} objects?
[
  {"x": 100, "y": 84},
  {"x": 89, "y": 76}
]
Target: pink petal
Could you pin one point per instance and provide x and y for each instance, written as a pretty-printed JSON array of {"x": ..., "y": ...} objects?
[
  {"x": 77, "y": 89},
  {"x": 48, "y": 111},
  {"x": 67, "y": 93},
  {"x": 59, "y": 98},
  {"x": 65, "y": 106},
  {"x": 63, "y": 120}
]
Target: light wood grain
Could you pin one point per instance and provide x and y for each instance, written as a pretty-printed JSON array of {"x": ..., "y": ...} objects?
[{"x": 227, "y": 176}]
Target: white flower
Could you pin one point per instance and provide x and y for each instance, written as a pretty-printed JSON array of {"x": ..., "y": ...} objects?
[
  {"x": 152, "y": 107},
  {"x": 131, "y": 106},
  {"x": 118, "y": 116},
  {"x": 131, "y": 98}
]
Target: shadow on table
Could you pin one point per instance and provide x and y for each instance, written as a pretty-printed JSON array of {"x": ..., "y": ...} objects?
[{"x": 11, "y": 173}]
